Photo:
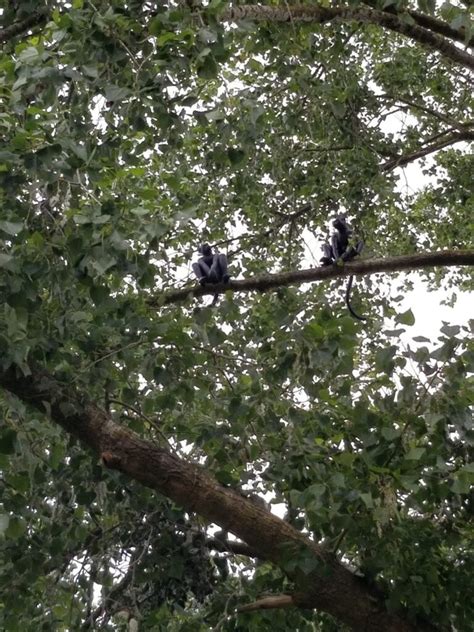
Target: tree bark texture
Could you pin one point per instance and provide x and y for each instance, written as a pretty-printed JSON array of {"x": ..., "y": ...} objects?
[{"x": 330, "y": 587}]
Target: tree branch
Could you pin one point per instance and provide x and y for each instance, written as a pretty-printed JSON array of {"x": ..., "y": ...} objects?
[
  {"x": 401, "y": 161},
  {"x": 318, "y": 14},
  {"x": 37, "y": 18},
  {"x": 429, "y": 22},
  {"x": 424, "y": 108},
  {"x": 230, "y": 546},
  {"x": 266, "y": 603},
  {"x": 330, "y": 587},
  {"x": 266, "y": 282}
]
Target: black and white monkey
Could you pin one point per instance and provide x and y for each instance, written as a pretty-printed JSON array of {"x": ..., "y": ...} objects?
[
  {"x": 211, "y": 268},
  {"x": 341, "y": 248}
]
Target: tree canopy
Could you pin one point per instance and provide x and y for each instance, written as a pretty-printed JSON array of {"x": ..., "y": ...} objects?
[{"x": 267, "y": 462}]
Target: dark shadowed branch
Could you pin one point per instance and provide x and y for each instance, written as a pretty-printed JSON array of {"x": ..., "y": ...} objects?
[{"x": 37, "y": 18}]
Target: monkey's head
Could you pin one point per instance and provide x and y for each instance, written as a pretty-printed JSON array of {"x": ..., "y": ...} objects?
[
  {"x": 205, "y": 249},
  {"x": 341, "y": 224}
]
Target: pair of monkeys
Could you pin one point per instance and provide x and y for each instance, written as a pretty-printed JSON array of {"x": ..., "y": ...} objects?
[{"x": 211, "y": 268}]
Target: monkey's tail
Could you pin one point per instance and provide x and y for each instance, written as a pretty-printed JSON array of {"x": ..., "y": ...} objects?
[
  {"x": 215, "y": 299},
  {"x": 348, "y": 302}
]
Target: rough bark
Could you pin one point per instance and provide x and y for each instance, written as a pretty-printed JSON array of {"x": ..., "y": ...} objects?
[
  {"x": 318, "y": 14},
  {"x": 267, "y": 282},
  {"x": 331, "y": 587}
]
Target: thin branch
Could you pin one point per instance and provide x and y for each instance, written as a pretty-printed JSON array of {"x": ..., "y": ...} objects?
[
  {"x": 320, "y": 15},
  {"x": 453, "y": 138},
  {"x": 263, "y": 283},
  {"x": 267, "y": 603},
  {"x": 105, "y": 608},
  {"x": 137, "y": 412},
  {"x": 229, "y": 546},
  {"x": 424, "y": 108}
]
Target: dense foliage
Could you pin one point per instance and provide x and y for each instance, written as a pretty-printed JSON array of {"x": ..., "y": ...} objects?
[{"x": 131, "y": 131}]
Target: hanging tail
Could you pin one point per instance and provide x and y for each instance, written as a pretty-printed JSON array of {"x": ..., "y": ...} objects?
[{"x": 348, "y": 297}]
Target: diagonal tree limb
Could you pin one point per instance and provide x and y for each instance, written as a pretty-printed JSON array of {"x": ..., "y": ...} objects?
[
  {"x": 329, "y": 587},
  {"x": 451, "y": 139},
  {"x": 416, "y": 105},
  {"x": 431, "y": 23},
  {"x": 263, "y": 283},
  {"x": 319, "y": 14},
  {"x": 37, "y": 18}
]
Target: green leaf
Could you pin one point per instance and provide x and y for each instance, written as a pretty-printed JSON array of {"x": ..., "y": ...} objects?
[
  {"x": 236, "y": 156},
  {"x": 406, "y": 318},
  {"x": 207, "y": 36},
  {"x": 390, "y": 433},
  {"x": 91, "y": 71},
  {"x": 11, "y": 228},
  {"x": 462, "y": 484},
  {"x": 8, "y": 156},
  {"x": 215, "y": 115},
  {"x": 165, "y": 38},
  {"x": 207, "y": 68},
  {"x": 4, "y": 522},
  {"x": 8, "y": 441},
  {"x": 116, "y": 93},
  {"x": 339, "y": 109},
  {"x": 99, "y": 294},
  {"x": 28, "y": 55},
  {"x": 17, "y": 321},
  {"x": 16, "y": 528},
  {"x": 384, "y": 359},
  {"x": 415, "y": 454},
  {"x": 6, "y": 261},
  {"x": 450, "y": 330}
]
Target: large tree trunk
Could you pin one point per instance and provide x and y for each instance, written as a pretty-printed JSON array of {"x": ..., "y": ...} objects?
[{"x": 330, "y": 587}]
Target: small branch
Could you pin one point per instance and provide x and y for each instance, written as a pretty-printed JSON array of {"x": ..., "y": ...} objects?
[
  {"x": 424, "y": 108},
  {"x": 137, "y": 412},
  {"x": 401, "y": 161},
  {"x": 267, "y": 603},
  {"x": 17, "y": 28},
  {"x": 229, "y": 546},
  {"x": 320, "y": 15},
  {"x": 267, "y": 282}
]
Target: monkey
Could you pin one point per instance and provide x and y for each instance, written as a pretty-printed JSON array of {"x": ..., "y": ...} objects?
[
  {"x": 340, "y": 248},
  {"x": 211, "y": 268}
]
